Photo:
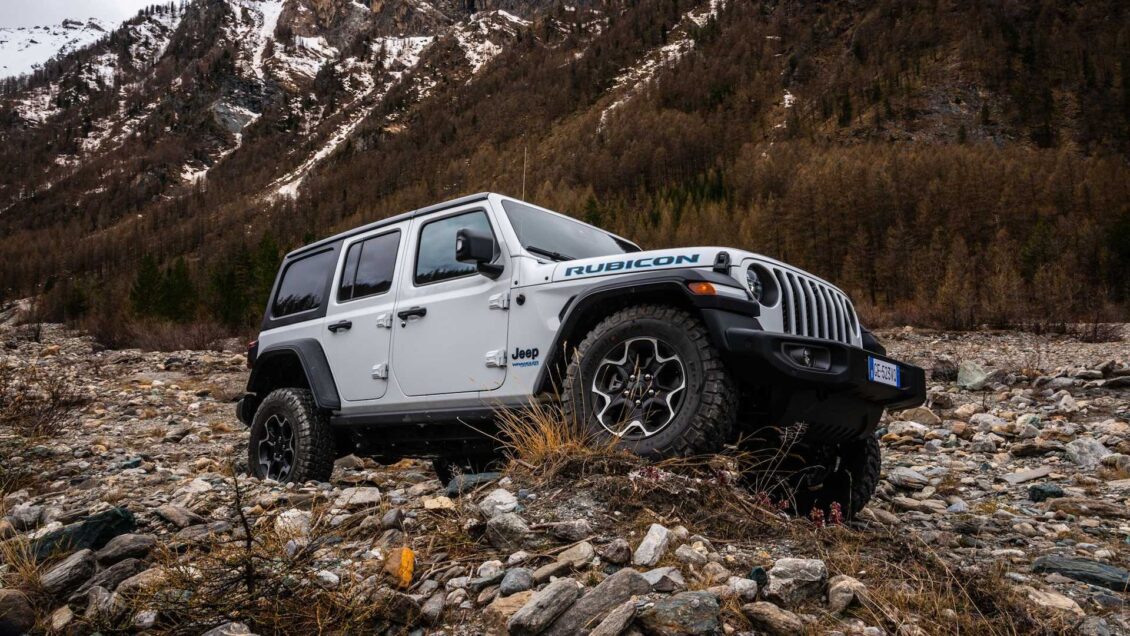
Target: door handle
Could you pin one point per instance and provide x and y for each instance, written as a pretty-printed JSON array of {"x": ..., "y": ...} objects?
[
  {"x": 343, "y": 325},
  {"x": 414, "y": 311}
]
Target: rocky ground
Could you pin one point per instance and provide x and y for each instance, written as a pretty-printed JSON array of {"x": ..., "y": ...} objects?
[{"x": 1003, "y": 509}]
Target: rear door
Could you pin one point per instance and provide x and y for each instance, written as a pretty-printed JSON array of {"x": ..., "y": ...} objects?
[
  {"x": 357, "y": 336},
  {"x": 451, "y": 321}
]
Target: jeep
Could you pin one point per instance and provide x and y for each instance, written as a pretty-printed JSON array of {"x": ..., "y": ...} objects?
[{"x": 409, "y": 336}]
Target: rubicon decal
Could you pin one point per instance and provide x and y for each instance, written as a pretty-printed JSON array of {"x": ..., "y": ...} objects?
[{"x": 632, "y": 263}]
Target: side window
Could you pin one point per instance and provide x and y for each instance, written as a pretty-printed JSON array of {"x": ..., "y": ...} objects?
[
  {"x": 304, "y": 284},
  {"x": 369, "y": 266},
  {"x": 435, "y": 257}
]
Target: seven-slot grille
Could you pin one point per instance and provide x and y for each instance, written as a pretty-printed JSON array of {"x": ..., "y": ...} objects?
[{"x": 811, "y": 308}]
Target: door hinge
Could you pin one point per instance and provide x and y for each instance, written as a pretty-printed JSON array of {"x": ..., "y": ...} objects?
[
  {"x": 496, "y": 358},
  {"x": 500, "y": 301},
  {"x": 380, "y": 371},
  {"x": 384, "y": 321}
]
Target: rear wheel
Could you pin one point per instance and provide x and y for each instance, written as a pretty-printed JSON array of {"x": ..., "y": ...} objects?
[
  {"x": 290, "y": 439},
  {"x": 649, "y": 377},
  {"x": 814, "y": 477}
]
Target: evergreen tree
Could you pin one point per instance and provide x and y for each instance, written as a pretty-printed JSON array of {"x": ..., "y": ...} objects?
[
  {"x": 178, "y": 294},
  {"x": 145, "y": 293}
]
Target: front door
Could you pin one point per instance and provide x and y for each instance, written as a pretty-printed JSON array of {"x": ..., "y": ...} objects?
[
  {"x": 451, "y": 321},
  {"x": 358, "y": 328}
]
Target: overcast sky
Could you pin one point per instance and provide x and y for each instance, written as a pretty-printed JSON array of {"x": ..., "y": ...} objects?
[{"x": 35, "y": 12}]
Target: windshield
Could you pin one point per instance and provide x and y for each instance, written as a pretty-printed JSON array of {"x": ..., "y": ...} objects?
[{"x": 559, "y": 238}]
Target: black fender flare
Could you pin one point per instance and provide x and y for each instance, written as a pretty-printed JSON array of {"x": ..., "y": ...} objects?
[
  {"x": 312, "y": 358},
  {"x": 670, "y": 284}
]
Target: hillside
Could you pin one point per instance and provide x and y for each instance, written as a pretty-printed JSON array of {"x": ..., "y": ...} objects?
[{"x": 955, "y": 163}]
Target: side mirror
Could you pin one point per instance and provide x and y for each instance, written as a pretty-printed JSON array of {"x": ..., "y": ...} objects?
[{"x": 477, "y": 248}]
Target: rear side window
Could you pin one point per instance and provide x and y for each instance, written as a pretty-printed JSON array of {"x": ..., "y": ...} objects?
[
  {"x": 435, "y": 260},
  {"x": 303, "y": 284},
  {"x": 369, "y": 266}
]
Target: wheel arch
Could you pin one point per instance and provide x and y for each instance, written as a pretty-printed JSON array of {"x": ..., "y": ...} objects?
[
  {"x": 584, "y": 311},
  {"x": 297, "y": 364}
]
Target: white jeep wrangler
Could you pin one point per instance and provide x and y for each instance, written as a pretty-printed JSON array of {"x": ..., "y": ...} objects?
[{"x": 388, "y": 340}]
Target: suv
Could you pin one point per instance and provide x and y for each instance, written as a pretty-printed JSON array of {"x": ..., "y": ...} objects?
[{"x": 406, "y": 337}]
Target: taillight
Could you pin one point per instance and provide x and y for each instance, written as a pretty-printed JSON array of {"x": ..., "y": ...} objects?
[{"x": 252, "y": 352}]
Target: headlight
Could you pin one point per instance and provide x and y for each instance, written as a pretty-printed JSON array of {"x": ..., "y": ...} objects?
[
  {"x": 753, "y": 283},
  {"x": 761, "y": 284}
]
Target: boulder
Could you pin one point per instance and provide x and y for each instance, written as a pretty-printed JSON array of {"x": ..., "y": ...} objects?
[
  {"x": 1087, "y": 452},
  {"x": 516, "y": 580},
  {"x": 1109, "y": 576},
  {"x": 507, "y": 531},
  {"x": 971, "y": 376},
  {"x": 499, "y": 501},
  {"x": 771, "y": 619},
  {"x": 843, "y": 590},
  {"x": 612, "y": 591},
  {"x": 794, "y": 580},
  {"x": 92, "y": 532},
  {"x": 17, "y": 616},
  {"x": 616, "y": 552},
  {"x": 653, "y": 546},
  {"x": 358, "y": 497},
  {"x": 683, "y": 613},
  {"x": 543, "y": 608},
  {"x": 616, "y": 621},
  {"x": 69, "y": 573},
  {"x": 126, "y": 546}
]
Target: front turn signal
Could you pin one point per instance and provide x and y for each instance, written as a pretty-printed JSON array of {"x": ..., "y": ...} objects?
[{"x": 702, "y": 289}]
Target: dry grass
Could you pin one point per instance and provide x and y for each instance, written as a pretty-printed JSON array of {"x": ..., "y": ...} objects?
[
  {"x": 540, "y": 438},
  {"x": 38, "y": 400},
  {"x": 21, "y": 568}
]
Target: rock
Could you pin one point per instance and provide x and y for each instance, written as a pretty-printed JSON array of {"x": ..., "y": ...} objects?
[
  {"x": 1084, "y": 507},
  {"x": 971, "y": 376},
  {"x": 616, "y": 621},
  {"x": 111, "y": 577},
  {"x": 126, "y": 546},
  {"x": 913, "y": 429},
  {"x": 653, "y": 546},
  {"x": 612, "y": 591},
  {"x": 617, "y": 552},
  {"x": 24, "y": 516},
  {"x": 358, "y": 497},
  {"x": 432, "y": 609},
  {"x": 499, "y": 501},
  {"x": 907, "y": 478},
  {"x": 1101, "y": 574},
  {"x": 665, "y": 579},
  {"x": 1027, "y": 475},
  {"x": 465, "y": 482},
  {"x": 294, "y": 523},
  {"x": 746, "y": 589},
  {"x": 439, "y": 503},
  {"x": 59, "y": 619},
  {"x": 771, "y": 619},
  {"x": 579, "y": 555},
  {"x": 69, "y": 573},
  {"x": 543, "y": 608},
  {"x": 179, "y": 516},
  {"x": 714, "y": 573},
  {"x": 575, "y": 530},
  {"x": 1087, "y": 452},
  {"x": 550, "y": 570},
  {"x": 16, "y": 613},
  {"x": 102, "y": 605},
  {"x": 498, "y": 613},
  {"x": 1040, "y": 492},
  {"x": 922, "y": 415},
  {"x": 92, "y": 532},
  {"x": 690, "y": 556},
  {"x": 1051, "y": 600},
  {"x": 229, "y": 629},
  {"x": 507, "y": 531},
  {"x": 843, "y": 590},
  {"x": 793, "y": 580},
  {"x": 683, "y": 613},
  {"x": 516, "y": 580},
  {"x": 400, "y": 565},
  {"x": 393, "y": 519},
  {"x": 147, "y": 580}
]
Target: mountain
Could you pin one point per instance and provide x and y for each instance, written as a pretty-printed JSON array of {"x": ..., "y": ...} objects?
[
  {"x": 956, "y": 163},
  {"x": 22, "y": 49}
]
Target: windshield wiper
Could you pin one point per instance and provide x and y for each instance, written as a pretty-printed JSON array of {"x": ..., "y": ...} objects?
[{"x": 557, "y": 256}]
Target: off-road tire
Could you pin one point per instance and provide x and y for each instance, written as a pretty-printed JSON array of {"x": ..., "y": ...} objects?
[
  {"x": 706, "y": 416},
  {"x": 313, "y": 441},
  {"x": 849, "y": 471}
]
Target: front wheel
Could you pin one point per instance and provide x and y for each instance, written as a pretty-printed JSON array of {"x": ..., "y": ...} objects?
[
  {"x": 649, "y": 377},
  {"x": 290, "y": 439}
]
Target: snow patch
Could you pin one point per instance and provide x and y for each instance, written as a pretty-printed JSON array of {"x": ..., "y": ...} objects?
[
  {"x": 24, "y": 49},
  {"x": 475, "y": 37}
]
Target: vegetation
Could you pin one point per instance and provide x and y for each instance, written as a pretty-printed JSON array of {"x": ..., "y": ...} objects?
[{"x": 953, "y": 165}]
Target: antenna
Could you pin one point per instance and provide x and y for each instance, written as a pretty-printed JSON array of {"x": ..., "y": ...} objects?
[{"x": 525, "y": 157}]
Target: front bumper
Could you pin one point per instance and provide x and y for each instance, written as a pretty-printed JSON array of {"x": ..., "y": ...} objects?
[{"x": 833, "y": 394}]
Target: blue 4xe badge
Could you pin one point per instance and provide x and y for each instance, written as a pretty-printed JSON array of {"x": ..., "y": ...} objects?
[{"x": 631, "y": 263}]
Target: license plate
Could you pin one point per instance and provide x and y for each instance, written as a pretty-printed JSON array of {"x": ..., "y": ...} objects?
[{"x": 882, "y": 372}]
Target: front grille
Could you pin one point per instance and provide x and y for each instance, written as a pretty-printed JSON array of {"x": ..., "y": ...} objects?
[{"x": 811, "y": 308}]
